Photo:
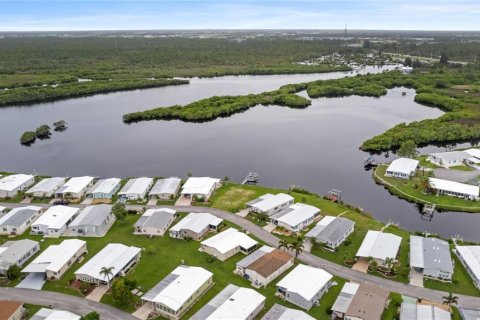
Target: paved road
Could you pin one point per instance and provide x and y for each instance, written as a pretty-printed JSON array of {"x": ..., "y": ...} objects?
[
  {"x": 308, "y": 258},
  {"x": 64, "y": 302}
]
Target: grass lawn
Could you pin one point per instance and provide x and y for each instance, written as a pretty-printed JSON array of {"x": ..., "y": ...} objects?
[
  {"x": 412, "y": 190},
  {"x": 425, "y": 163},
  {"x": 462, "y": 168},
  {"x": 392, "y": 310},
  {"x": 30, "y": 310}
]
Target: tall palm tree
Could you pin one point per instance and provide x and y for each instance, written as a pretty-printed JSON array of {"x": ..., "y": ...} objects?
[
  {"x": 107, "y": 273},
  {"x": 284, "y": 244},
  {"x": 297, "y": 247},
  {"x": 450, "y": 300}
]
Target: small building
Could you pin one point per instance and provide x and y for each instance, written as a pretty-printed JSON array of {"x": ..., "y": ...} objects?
[
  {"x": 228, "y": 243},
  {"x": 3, "y": 210},
  {"x": 165, "y": 189},
  {"x": 49, "y": 314},
  {"x": 11, "y": 310},
  {"x": 304, "y": 286},
  {"x": 448, "y": 159},
  {"x": 379, "y": 246},
  {"x": 331, "y": 231},
  {"x": 75, "y": 187},
  {"x": 201, "y": 188},
  {"x": 270, "y": 204},
  {"x": 431, "y": 256},
  {"x": 93, "y": 221},
  {"x": 195, "y": 226},
  {"x": 469, "y": 256},
  {"x": 402, "y": 168},
  {"x": 155, "y": 222},
  {"x": 57, "y": 259},
  {"x": 296, "y": 217},
  {"x": 360, "y": 301},
  {"x": 264, "y": 265},
  {"x": 406, "y": 69},
  {"x": 178, "y": 291},
  {"x": 468, "y": 314},
  {"x": 455, "y": 189},
  {"x": 11, "y": 185},
  {"x": 136, "y": 189},
  {"x": 413, "y": 311},
  {"x": 104, "y": 188},
  {"x": 46, "y": 188},
  {"x": 232, "y": 303},
  {"x": 279, "y": 312},
  {"x": 16, "y": 253},
  {"x": 54, "y": 221},
  {"x": 119, "y": 257},
  {"x": 17, "y": 220}
]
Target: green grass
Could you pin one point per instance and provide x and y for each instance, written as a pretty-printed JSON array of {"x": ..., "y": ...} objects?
[
  {"x": 391, "y": 312},
  {"x": 425, "y": 163},
  {"x": 462, "y": 168},
  {"x": 30, "y": 310}
]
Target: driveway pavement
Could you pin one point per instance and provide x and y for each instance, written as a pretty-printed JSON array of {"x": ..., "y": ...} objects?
[
  {"x": 97, "y": 293},
  {"x": 416, "y": 277},
  {"x": 455, "y": 175},
  {"x": 143, "y": 311},
  {"x": 34, "y": 280}
]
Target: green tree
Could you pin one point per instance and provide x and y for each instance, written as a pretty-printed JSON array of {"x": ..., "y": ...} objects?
[
  {"x": 444, "y": 59},
  {"x": 297, "y": 246},
  {"x": 121, "y": 293},
  {"x": 450, "y": 300},
  {"x": 43, "y": 132},
  {"x": 119, "y": 211},
  {"x": 91, "y": 316},
  {"x": 408, "y": 149},
  {"x": 13, "y": 272},
  {"x": 28, "y": 137},
  {"x": 283, "y": 244},
  {"x": 107, "y": 273},
  {"x": 408, "y": 62}
]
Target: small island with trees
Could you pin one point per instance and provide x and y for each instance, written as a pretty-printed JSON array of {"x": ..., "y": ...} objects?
[{"x": 42, "y": 132}]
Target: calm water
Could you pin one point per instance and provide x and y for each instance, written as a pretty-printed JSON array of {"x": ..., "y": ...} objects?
[{"x": 315, "y": 148}]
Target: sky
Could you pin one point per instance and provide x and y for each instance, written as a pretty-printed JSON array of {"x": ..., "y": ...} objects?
[{"x": 70, "y": 15}]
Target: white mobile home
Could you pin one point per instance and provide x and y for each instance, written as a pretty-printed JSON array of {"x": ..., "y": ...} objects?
[
  {"x": 155, "y": 222},
  {"x": 331, "y": 231},
  {"x": 264, "y": 265},
  {"x": 165, "y": 189},
  {"x": 17, "y": 220},
  {"x": 270, "y": 204},
  {"x": 304, "y": 285},
  {"x": 46, "y": 188},
  {"x": 402, "y": 168},
  {"x": 228, "y": 243},
  {"x": 379, "y": 246},
  {"x": 413, "y": 311},
  {"x": 200, "y": 187},
  {"x": 92, "y": 221},
  {"x": 57, "y": 259},
  {"x": 470, "y": 258},
  {"x": 177, "y": 292},
  {"x": 49, "y": 314},
  {"x": 104, "y": 188},
  {"x": 16, "y": 253},
  {"x": 296, "y": 217},
  {"x": 11, "y": 185},
  {"x": 455, "y": 189},
  {"x": 431, "y": 256},
  {"x": 54, "y": 221},
  {"x": 136, "y": 189},
  {"x": 195, "y": 226},
  {"x": 232, "y": 303},
  {"x": 448, "y": 159},
  {"x": 279, "y": 312},
  {"x": 75, "y": 187},
  {"x": 114, "y": 255}
]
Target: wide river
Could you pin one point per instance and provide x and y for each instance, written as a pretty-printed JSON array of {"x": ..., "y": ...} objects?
[{"x": 315, "y": 148}]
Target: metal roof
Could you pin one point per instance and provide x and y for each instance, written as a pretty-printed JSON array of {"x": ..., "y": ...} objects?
[
  {"x": 471, "y": 256},
  {"x": 104, "y": 186},
  {"x": 197, "y": 222},
  {"x": 453, "y": 186},
  {"x": 75, "y": 185},
  {"x": 48, "y": 314},
  {"x": 468, "y": 314},
  {"x": 345, "y": 297},
  {"x": 47, "y": 185},
  {"x": 166, "y": 186},
  {"x": 12, "y": 182},
  {"x": 403, "y": 165},
  {"x": 228, "y": 240},
  {"x": 269, "y": 201},
  {"x": 412, "y": 311},
  {"x": 296, "y": 214},
  {"x": 306, "y": 281},
  {"x": 11, "y": 251},
  {"x": 330, "y": 229},
  {"x": 379, "y": 245},
  {"x": 254, "y": 256},
  {"x": 18, "y": 216},
  {"x": 156, "y": 218},
  {"x": 279, "y": 312},
  {"x": 56, "y": 217},
  {"x": 138, "y": 186},
  {"x": 201, "y": 185},
  {"x": 451, "y": 156},
  {"x": 92, "y": 215},
  {"x": 430, "y": 253}
]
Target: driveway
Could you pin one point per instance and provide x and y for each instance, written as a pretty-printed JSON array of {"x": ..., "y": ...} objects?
[
  {"x": 455, "y": 175},
  {"x": 97, "y": 293},
  {"x": 243, "y": 213},
  {"x": 269, "y": 227},
  {"x": 34, "y": 281},
  {"x": 183, "y": 201},
  {"x": 361, "y": 265},
  {"x": 143, "y": 311},
  {"x": 416, "y": 277},
  {"x": 64, "y": 302}
]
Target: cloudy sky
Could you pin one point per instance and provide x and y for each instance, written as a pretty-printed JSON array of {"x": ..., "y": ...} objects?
[{"x": 241, "y": 14}]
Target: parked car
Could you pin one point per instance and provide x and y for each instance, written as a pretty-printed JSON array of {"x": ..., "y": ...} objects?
[{"x": 62, "y": 202}]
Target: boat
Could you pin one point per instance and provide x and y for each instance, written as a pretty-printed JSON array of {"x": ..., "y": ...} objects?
[{"x": 369, "y": 162}]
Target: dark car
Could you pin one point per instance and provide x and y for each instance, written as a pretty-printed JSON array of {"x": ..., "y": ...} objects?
[{"x": 62, "y": 202}]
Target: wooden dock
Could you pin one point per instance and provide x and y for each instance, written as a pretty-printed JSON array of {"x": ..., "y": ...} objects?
[{"x": 251, "y": 178}]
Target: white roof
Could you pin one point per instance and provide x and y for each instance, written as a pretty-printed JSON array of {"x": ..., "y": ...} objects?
[
  {"x": 294, "y": 314},
  {"x": 471, "y": 256},
  {"x": 297, "y": 214},
  {"x": 150, "y": 212},
  {"x": 76, "y": 184},
  {"x": 403, "y": 165},
  {"x": 166, "y": 186},
  {"x": 178, "y": 286},
  {"x": 474, "y": 153},
  {"x": 379, "y": 245},
  {"x": 12, "y": 216},
  {"x": 228, "y": 240},
  {"x": 105, "y": 186},
  {"x": 270, "y": 201},
  {"x": 12, "y": 182},
  {"x": 306, "y": 281},
  {"x": 240, "y": 305},
  {"x": 47, "y": 185},
  {"x": 48, "y": 314},
  {"x": 453, "y": 186},
  {"x": 345, "y": 297},
  {"x": 2, "y": 208},
  {"x": 199, "y": 185},
  {"x": 55, "y": 256},
  {"x": 412, "y": 311},
  {"x": 196, "y": 222},
  {"x": 114, "y": 255},
  {"x": 137, "y": 186},
  {"x": 56, "y": 217}
]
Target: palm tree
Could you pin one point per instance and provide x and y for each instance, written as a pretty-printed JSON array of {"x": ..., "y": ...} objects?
[
  {"x": 107, "y": 273},
  {"x": 297, "y": 246},
  {"x": 450, "y": 300},
  {"x": 284, "y": 244}
]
